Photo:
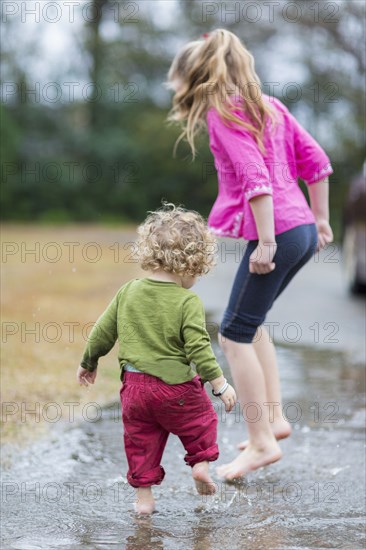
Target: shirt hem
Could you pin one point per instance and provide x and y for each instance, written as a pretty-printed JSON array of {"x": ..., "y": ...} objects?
[
  {"x": 254, "y": 236},
  {"x": 287, "y": 227}
]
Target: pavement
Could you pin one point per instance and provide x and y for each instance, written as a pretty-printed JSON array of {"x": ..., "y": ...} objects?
[{"x": 69, "y": 492}]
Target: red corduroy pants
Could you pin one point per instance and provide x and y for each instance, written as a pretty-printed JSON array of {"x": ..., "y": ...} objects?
[{"x": 151, "y": 410}]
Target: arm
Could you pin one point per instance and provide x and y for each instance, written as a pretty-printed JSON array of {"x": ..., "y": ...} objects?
[
  {"x": 197, "y": 343},
  {"x": 312, "y": 163},
  {"x": 262, "y": 208},
  {"x": 313, "y": 166},
  {"x": 197, "y": 346},
  {"x": 102, "y": 337},
  {"x": 319, "y": 201},
  {"x": 261, "y": 258}
]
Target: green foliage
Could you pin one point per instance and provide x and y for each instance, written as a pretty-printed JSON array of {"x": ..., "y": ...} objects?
[
  {"x": 112, "y": 159},
  {"x": 118, "y": 172}
]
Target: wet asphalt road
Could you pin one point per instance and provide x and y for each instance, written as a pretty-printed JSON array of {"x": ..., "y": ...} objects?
[{"x": 70, "y": 492}]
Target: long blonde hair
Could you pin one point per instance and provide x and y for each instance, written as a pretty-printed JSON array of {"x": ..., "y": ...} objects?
[{"x": 204, "y": 69}]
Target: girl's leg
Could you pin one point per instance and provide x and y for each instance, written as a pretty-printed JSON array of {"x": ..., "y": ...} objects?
[
  {"x": 251, "y": 297},
  {"x": 266, "y": 354},
  {"x": 250, "y": 383}
]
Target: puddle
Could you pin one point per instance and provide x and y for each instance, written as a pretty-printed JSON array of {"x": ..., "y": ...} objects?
[{"x": 71, "y": 493}]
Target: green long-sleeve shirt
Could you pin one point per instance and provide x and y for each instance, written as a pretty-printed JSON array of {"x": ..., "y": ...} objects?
[{"x": 160, "y": 327}]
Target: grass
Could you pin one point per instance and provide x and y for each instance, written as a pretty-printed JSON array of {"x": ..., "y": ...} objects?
[{"x": 50, "y": 298}]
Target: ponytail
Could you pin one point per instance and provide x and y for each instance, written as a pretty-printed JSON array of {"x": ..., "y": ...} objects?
[{"x": 207, "y": 69}]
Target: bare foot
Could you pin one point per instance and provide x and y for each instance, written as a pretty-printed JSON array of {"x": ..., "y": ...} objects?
[
  {"x": 202, "y": 479},
  {"x": 280, "y": 429},
  {"x": 250, "y": 459},
  {"x": 145, "y": 503}
]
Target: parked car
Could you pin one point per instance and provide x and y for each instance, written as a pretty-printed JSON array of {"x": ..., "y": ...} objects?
[{"x": 354, "y": 235}]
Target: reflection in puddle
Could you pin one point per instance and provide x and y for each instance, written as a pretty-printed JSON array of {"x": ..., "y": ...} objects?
[{"x": 71, "y": 494}]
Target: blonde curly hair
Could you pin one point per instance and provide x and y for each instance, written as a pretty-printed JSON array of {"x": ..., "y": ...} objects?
[{"x": 176, "y": 240}]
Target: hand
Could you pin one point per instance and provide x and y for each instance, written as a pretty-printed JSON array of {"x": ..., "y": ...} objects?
[
  {"x": 325, "y": 234},
  {"x": 85, "y": 377},
  {"x": 260, "y": 260},
  {"x": 228, "y": 398}
]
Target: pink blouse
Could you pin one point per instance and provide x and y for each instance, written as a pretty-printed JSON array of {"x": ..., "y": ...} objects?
[{"x": 244, "y": 173}]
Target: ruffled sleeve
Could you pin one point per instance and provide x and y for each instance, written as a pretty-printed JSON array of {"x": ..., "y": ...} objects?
[{"x": 312, "y": 163}]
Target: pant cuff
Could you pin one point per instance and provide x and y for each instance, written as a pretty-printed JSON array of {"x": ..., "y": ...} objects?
[
  {"x": 210, "y": 455},
  {"x": 152, "y": 477}
]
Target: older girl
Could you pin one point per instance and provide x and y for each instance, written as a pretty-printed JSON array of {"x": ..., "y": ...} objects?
[{"x": 260, "y": 151}]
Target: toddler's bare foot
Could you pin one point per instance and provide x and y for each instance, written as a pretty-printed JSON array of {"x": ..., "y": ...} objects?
[
  {"x": 280, "y": 429},
  {"x": 202, "y": 479},
  {"x": 145, "y": 503},
  {"x": 250, "y": 459}
]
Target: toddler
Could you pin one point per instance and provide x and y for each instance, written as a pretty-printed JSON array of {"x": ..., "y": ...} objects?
[{"x": 160, "y": 327}]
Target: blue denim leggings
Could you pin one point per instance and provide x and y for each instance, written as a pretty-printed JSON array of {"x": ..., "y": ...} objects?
[{"x": 252, "y": 295}]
